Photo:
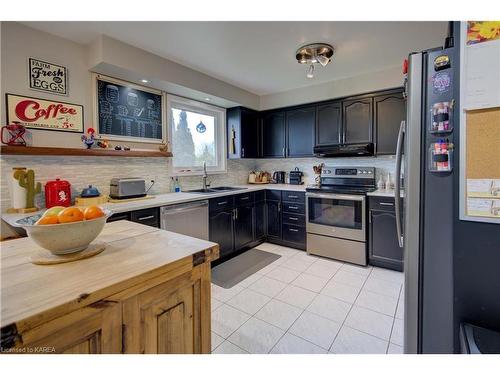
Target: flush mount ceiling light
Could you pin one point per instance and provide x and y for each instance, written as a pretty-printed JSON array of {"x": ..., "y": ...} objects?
[{"x": 315, "y": 53}]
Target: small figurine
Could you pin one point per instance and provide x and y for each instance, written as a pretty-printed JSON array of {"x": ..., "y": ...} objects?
[
  {"x": 118, "y": 147},
  {"x": 88, "y": 140},
  {"x": 102, "y": 142}
]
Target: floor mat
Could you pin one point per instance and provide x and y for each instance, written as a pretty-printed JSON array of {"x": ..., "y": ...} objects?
[{"x": 231, "y": 272}]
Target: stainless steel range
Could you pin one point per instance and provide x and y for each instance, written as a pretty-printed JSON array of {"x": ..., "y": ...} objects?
[{"x": 336, "y": 213}]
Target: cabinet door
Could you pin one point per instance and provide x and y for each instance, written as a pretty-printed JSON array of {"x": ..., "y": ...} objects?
[
  {"x": 274, "y": 219},
  {"x": 221, "y": 231},
  {"x": 273, "y": 135},
  {"x": 383, "y": 245},
  {"x": 243, "y": 226},
  {"x": 148, "y": 216},
  {"x": 390, "y": 110},
  {"x": 233, "y": 120},
  {"x": 168, "y": 318},
  {"x": 250, "y": 134},
  {"x": 300, "y": 131},
  {"x": 357, "y": 119},
  {"x": 94, "y": 329},
  {"x": 329, "y": 124},
  {"x": 260, "y": 220}
]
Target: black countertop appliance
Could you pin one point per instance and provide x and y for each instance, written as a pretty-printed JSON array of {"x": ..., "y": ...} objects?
[{"x": 296, "y": 177}]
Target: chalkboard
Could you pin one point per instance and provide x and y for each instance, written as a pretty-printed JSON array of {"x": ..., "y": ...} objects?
[{"x": 126, "y": 112}]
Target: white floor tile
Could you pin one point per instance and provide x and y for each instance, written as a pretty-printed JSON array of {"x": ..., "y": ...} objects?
[
  {"x": 349, "y": 278},
  {"x": 395, "y": 349},
  {"x": 329, "y": 308},
  {"x": 256, "y": 336},
  {"x": 351, "y": 341},
  {"x": 330, "y": 262},
  {"x": 229, "y": 348},
  {"x": 296, "y": 264},
  {"x": 377, "y": 302},
  {"x": 387, "y": 288},
  {"x": 283, "y": 274},
  {"x": 278, "y": 313},
  {"x": 285, "y": 251},
  {"x": 226, "y": 320},
  {"x": 290, "y": 344},
  {"x": 397, "y": 335},
  {"x": 310, "y": 282},
  {"x": 400, "y": 311},
  {"x": 216, "y": 340},
  {"x": 340, "y": 291},
  {"x": 267, "y": 286},
  {"x": 323, "y": 270},
  {"x": 304, "y": 257},
  {"x": 249, "y": 280},
  {"x": 316, "y": 329},
  {"x": 215, "y": 304},
  {"x": 266, "y": 246},
  {"x": 388, "y": 275},
  {"x": 223, "y": 294},
  {"x": 248, "y": 301},
  {"x": 370, "y": 322},
  {"x": 296, "y": 296},
  {"x": 360, "y": 270}
]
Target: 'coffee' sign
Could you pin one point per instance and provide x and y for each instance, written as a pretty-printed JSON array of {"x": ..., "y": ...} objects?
[{"x": 48, "y": 77}]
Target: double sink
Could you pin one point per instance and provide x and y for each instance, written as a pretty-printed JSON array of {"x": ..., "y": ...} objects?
[{"x": 214, "y": 190}]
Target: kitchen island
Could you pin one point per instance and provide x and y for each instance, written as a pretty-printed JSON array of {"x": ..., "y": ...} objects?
[{"x": 147, "y": 292}]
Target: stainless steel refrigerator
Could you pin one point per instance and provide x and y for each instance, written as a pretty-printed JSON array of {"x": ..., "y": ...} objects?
[{"x": 425, "y": 216}]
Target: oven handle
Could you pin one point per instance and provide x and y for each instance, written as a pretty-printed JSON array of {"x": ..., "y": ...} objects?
[{"x": 337, "y": 196}]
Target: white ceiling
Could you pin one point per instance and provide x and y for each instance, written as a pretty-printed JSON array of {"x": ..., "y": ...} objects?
[{"x": 260, "y": 56}]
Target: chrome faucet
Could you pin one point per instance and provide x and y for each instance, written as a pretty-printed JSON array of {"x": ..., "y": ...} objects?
[{"x": 205, "y": 176}]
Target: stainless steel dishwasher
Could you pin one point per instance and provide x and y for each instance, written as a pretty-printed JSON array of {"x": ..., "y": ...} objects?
[{"x": 189, "y": 218}]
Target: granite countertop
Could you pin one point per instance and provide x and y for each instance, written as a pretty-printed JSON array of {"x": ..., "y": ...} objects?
[
  {"x": 28, "y": 289},
  {"x": 171, "y": 198}
]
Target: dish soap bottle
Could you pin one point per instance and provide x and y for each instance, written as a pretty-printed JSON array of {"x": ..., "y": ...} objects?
[{"x": 177, "y": 186}]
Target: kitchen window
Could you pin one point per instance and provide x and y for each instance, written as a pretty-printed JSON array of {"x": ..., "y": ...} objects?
[{"x": 197, "y": 135}]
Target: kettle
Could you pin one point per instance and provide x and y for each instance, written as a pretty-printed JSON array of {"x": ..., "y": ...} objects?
[
  {"x": 90, "y": 192},
  {"x": 279, "y": 177}
]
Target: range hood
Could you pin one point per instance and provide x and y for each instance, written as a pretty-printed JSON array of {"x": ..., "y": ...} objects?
[{"x": 354, "y": 149}]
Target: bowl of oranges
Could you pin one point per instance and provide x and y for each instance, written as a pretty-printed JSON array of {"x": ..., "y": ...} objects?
[{"x": 66, "y": 230}]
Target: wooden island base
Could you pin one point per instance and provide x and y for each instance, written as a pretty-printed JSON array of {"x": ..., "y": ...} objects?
[{"x": 148, "y": 292}]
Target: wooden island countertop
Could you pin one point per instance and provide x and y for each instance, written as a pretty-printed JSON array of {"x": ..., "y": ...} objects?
[{"x": 39, "y": 302}]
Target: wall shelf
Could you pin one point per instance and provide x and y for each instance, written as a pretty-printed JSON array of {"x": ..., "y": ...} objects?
[{"x": 59, "y": 151}]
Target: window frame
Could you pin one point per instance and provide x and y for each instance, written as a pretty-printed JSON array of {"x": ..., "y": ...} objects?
[{"x": 219, "y": 113}]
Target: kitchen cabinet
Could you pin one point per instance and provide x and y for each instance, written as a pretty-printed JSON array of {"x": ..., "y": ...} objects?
[
  {"x": 300, "y": 132},
  {"x": 260, "y": 221},
  {"x": 243, "y": 226},
  {"x": 383, "y": 247},
  {"x": 243, "y": 133},
  {"x": 357, "y": 122},
  {"x": 329, "y": 124},
  {"x": 273, "y": 135},
  {"x": 147, "y": 216},
  {"x": 273, "y": 219},
  {"x": 221, "y": 228},
  {"x": 389, "y": 111}
]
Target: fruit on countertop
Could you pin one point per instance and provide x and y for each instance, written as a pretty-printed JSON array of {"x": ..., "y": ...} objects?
[
  {"x": 70, "y": 215},
  {"x": 92, "y": 212},
  {"x": 47, "y": 220},
  {"x": 54, "y": 211}
]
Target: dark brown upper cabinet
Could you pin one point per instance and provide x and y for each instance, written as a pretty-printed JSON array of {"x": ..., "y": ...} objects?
[
  {"x": 389, "y": 111},
  {"x": 243, "y": 133},
  {"x": 273, "y": 135},
  {"x": 357, "y": 117},
  {"x": 300, "y": 132},
  {"x": 329, "y": 124}
]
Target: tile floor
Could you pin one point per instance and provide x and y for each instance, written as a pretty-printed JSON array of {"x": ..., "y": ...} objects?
[{"x": 306, "y": 304}]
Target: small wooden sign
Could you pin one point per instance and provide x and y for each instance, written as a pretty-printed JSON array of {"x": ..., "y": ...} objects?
[
  {"x": 44, "y": 114},
  {"x": 48, "y": 77}
]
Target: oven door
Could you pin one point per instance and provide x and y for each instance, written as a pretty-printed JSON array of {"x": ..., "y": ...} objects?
[{"x": 336, "y": 215}]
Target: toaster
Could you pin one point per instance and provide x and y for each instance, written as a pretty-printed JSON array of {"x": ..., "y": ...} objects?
[
  {"x": 128, "y": 187},
  {"x": 296, "y": 177}
]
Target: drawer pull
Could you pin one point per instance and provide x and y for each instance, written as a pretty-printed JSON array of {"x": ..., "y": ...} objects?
[
  {"x": 146, "y": 217},
  {"x": 386, "y": 204},
  {"x": 293, "y": 207},
  {"x": 293, "y": 230},
  {"x": 293, "y": 218},
  {"x": 244, "y": 198},
  {"x": 221, "y": 203},
  {"x": 292, "y": 196}
]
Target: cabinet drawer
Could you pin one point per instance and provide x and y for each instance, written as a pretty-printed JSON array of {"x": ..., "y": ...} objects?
[
  {"x": 293, "y": 196},
  {"x": 273, "y": 195},
  {"x": 293, "y": 233},
  {"x": 296, "y": 208},
  {"x": 119, "y": 216},
  {"x": 294, "y": 219},
  {"x": 242, "y": 199},
  {"x": 148, "y": 216},
  {"x": 260, "y": 196},
  {"x": 382, "y": 203},
  {"x": 221, "y": 203}
]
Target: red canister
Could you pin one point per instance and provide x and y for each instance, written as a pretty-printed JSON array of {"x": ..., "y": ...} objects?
[{"x": 57, "y": 193}]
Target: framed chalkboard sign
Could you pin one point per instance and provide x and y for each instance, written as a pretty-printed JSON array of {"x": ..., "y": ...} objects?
[{"x": 128, "y": 112}]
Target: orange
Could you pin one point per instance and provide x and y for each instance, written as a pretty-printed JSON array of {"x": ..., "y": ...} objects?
[
  {"x": 70, "y": 215},
  {"x": 92, "y": 212},
  {"x": 51, "y": 219}
]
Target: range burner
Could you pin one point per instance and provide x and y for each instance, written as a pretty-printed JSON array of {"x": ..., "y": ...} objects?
[{"x": 345, "y": 180}]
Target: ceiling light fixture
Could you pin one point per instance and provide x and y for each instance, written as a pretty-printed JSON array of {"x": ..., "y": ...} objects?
[
  {"x": 207, "y": 99},
  {"x": 144, "y": 81},
  {"x": 314, "y": 53}
]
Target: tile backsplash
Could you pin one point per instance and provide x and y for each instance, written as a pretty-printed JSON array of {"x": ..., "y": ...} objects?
[{"x": 98, "y": 171}]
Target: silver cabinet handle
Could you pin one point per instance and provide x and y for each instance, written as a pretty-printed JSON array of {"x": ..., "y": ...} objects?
[
  {"x": 244, "y": 198},
  {"x": 242, "y": 152},
  {"x": 279, "y": 206},
  {"x": 221, "y": 203},
  {"x": 292, "y": 196},
  {"x": 146, "y": 217},
  {"x": 293, "y": 207},
  {"x": 397, "y": 183},
  {"x": 386, "y": 204},
  {"x": 284, "y": 154},
  {"x": 293, "y": 218},
  {"x": 235, "y": 214},
  {"x": 293, "y": 230}
]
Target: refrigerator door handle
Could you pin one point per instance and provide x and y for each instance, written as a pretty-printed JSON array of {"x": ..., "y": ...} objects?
[{"x": 397, "y": 182}]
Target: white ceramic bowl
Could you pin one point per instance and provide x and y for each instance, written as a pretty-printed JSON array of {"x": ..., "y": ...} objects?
[{"x": 65, "y": 238}]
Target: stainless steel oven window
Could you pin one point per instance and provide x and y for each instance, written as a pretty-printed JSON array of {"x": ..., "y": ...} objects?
[{"x": 332, "y": 212}]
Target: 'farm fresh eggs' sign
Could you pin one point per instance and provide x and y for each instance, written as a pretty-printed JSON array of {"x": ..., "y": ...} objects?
[{"x": 48, "y": 77}]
